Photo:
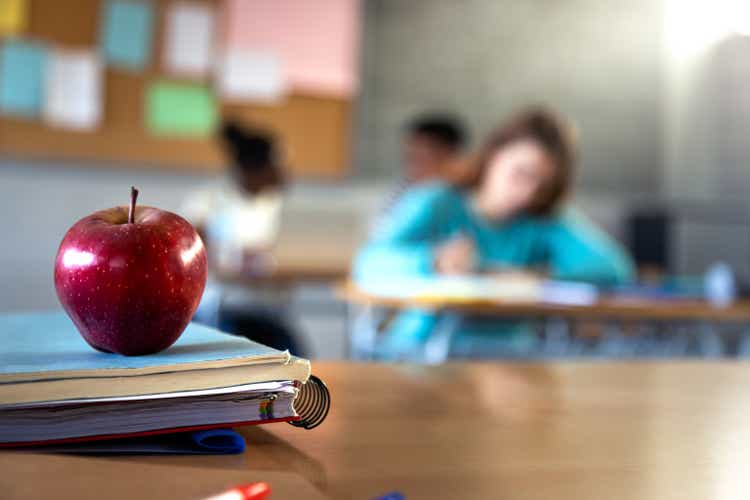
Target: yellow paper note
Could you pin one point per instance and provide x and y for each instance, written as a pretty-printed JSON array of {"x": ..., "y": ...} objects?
[{"x": 12, "y": 16}]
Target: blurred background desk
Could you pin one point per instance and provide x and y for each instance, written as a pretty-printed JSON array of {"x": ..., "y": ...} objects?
[
  {"x": 289, "y": 270},
  {"x": 719, "y": 330},
  {"x": 606, "y": 308},
  {"x": 285, "y": 274},
  {"x": 295, "y": 290},
  {"x": 544, "y": 431}
]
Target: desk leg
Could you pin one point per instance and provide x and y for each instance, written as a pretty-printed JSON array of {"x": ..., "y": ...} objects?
[
  {"x": 613, "y": 343},
  {"x": 362, "y": 331},
  {"x": 438, "y": 346},
  {"x": 679, "y": 338},
  {"x": 731, "y": 336},
  {"x": 671, "y": 340},
  {"x": 743, "y": 342},
  {"x": 351, "y": 320},
  {"x": 557, "y": 336},
  {"x": 710, "y": 341},
  {"x": 348, "y": 327}
]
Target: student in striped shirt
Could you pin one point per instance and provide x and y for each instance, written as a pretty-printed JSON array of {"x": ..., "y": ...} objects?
[{"x": 433, "y": 147}]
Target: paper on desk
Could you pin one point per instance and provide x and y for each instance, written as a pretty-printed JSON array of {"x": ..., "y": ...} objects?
[
  {"x": 22, "y": 69},
  {"x": 13, "y": 14},
  {"x": 262, "y": 387},
  {"x": 455, "y": 288},
  {"x": 189, "y": 39},
  {"x": 459, "y": 289},
  {"x": 250, "y": 75},
  {"x": 73, "y": 89}
]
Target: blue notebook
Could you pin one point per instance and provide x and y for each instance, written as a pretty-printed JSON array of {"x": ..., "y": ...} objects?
[
  {"x": 44, "y": 359},
  {"x": 50, "y": 342},
  {"x": 55, "y": 388}
]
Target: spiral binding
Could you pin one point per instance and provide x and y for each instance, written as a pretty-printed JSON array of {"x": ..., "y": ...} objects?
[{"x": 312, "y": 403}]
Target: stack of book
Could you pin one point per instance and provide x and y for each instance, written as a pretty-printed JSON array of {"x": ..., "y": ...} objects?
[{"x": 54, "y": 388}]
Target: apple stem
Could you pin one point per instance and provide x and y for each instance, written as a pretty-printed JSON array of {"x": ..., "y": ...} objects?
[{"x": 133, "y": 198}]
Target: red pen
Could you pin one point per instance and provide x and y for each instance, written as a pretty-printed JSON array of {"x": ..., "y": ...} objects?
[{"x": 251, "y": 491}]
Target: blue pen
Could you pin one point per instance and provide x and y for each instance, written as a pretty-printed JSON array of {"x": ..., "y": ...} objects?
[{"x": 393, "y": 495}]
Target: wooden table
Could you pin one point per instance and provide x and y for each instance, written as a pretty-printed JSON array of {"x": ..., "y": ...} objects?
[
  {"x": 298, "y": 260},
  {"x": 288, "y": 274},
  {"x": 605, "y": 308},
  {"x": 517, "y": 431}
]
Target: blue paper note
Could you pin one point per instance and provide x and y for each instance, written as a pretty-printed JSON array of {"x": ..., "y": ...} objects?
[
  {"x": 127, "y": 32},
  {"x": 22, "y": 67},
  {"x": 49, "y": 341}
]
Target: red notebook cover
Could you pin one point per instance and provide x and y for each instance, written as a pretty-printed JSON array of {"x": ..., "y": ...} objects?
[{"x": 146, "y": 433}]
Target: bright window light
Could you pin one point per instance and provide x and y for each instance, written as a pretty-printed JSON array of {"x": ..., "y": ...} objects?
[{"x": 694, "y": 25}]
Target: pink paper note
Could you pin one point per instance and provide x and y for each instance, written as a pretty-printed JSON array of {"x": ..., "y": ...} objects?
[{"x": 317, "y": 41}]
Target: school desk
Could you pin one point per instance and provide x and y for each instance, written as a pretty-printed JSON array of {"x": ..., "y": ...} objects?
[
  {"x": 289, "y": 273},
  {"x": 721, "y": 331},
  {"x": 297, "y": 262},
  {"x": 513, "y": 431},
  {"x": 603, "y": 309}
]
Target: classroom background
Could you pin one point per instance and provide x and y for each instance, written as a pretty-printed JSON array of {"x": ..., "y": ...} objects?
[{"x": 114, "y": 93}]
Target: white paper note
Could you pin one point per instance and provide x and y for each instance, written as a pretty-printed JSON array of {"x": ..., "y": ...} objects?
[
  {"x": 250, "y": 75},
  {"x": 73, "y": 89},
  {"x": 189, "y": 39}
]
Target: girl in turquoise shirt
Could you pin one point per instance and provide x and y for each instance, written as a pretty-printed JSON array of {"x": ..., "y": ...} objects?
[{"x": 506, "y": 218}]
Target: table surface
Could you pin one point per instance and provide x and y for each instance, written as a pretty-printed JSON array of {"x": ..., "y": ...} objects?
[
  {"x": 287, "y": 274},
  {"x": 605, "y": 308},
  {"x": 527, "y": 431},
  {"x": 291, "y": 269}
]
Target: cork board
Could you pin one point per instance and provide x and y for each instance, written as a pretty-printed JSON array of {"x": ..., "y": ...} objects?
[{"x": 313, "y": 131}]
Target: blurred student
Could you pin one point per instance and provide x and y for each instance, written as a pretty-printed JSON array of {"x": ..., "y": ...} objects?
[
  {"x": 432, "y": 146},
  {"x": 432, "y": 150},
  {"x": 238, "y": 218},
  {"x": 508, "y": 217}
]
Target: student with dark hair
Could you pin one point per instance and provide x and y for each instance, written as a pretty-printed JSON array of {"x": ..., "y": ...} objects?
[
  {"x": 432, "y": 144},
  {"x": 254, "y": 162},
  {"x": 509, "y": 217},
  {"x": 238, "y": 218},
  {"x": 432, "y": 150}
]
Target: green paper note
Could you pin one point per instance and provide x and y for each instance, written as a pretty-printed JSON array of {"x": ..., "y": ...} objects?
[{"x": 180, "y": 110}]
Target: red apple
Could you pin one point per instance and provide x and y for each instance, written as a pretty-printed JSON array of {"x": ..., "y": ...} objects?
[{"x": 131, "y": 278}]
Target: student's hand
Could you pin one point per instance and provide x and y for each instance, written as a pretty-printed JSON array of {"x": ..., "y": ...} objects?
[{"x": 457, "y": 256}]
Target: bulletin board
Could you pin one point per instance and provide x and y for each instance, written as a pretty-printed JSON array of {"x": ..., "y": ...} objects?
[{"x": 313, "y": 130}]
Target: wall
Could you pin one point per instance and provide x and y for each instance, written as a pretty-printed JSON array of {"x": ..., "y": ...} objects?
[
  {"x": 599, "y": 61},
  {"x": 708, "y": 151},
  {"x": 39, "y": 202}
]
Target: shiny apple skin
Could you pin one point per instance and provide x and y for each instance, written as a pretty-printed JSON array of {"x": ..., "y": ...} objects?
[{"x": 131, "y": 288}]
